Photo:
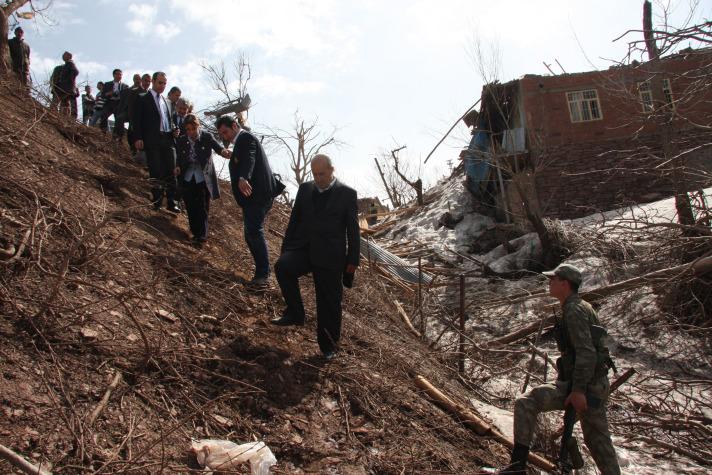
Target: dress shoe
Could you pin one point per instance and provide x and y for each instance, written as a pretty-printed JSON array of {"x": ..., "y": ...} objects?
[
  {"x": 173, "y": 208},
  {"x": 286, "y": 321},
  {"x": 329, "y": 355},
  {"x": 258, "y": 283}
]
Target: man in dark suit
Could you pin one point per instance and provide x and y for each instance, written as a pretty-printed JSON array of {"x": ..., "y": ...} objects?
[
  {"x": 323, "y": 238},
  {"x": 154, "y": 133},
  {"x": 253, "y": 186},
  {"x": 112, "y": 93},
  {"x": 131, "y": 97}
]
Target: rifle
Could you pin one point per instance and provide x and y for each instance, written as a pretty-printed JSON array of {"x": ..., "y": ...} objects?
[
  {"x": 569, "y": 454},
  {"x": 565, "y": 463}
]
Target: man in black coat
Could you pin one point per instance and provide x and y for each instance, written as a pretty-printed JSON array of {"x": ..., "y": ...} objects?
[
  {"x": 154, "y": 133},
  {"x": 253, "y": 186},
  {"x": 112, "y": 93},
  {"x": 64, "y": 86},
  {"x": 322, "y": 237},
  {"x": 20, "y": 55}
]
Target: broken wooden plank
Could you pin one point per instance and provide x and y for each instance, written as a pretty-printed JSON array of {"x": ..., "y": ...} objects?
[
  {"x": 698, "y": 267},
  {"x": 405, "y": 319},
  {"x": 474, "y": 422},
  {"x": 18, "y": 461}
]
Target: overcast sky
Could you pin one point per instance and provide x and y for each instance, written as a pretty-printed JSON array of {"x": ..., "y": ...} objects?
[{"x": 385, "y": 73}]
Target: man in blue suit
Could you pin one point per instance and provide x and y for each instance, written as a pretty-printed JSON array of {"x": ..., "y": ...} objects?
[{"x": 253, "y": 186}]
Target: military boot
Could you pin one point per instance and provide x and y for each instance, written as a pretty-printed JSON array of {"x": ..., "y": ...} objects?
[
  {"x": 518, "y": 462},
  {"x": 575, "y": 454}
]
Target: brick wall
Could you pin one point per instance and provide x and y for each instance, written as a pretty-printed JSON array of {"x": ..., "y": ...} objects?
[
  {"x": 578, "y": 179},
  {"x": 598, "y": 165}
]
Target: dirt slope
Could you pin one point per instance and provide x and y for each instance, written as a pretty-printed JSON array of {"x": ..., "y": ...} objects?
[{"x": 80, "y": 303}]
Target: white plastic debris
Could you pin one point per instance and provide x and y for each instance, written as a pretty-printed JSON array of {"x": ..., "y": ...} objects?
[{"x": 224, "y": 455}]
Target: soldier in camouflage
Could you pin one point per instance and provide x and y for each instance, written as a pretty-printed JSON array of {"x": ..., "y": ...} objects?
[{"x": 582, "y": 379}]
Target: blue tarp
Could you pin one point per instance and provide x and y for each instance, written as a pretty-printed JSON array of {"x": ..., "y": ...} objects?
[{"x": 477, "y": 165}]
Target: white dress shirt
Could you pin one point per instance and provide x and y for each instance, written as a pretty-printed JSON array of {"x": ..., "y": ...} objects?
[{"x": 162, "y": 110}]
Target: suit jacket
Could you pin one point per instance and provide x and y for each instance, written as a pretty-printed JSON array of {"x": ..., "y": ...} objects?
[
  {"x": 122, "y": 110},
  {"x": 249, "y": 161},
  {"x": 109, "y": 88},
  {"x": 332, "y": 236},
  {"x": 204, "y": 147},
  {"x": 147, "y": 121}
]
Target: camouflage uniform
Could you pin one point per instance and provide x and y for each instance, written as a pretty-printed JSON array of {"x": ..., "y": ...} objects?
[{"x": 587, "y": 373}]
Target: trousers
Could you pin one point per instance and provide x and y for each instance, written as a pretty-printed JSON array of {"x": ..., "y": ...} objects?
[
  {"x": 594, "y": 424},
  {"x": 289, "y": 267},
  {"x": 197, "y": 204},
  {"x": 161, "y": 159},
  {"x": 254, "y": 218}
]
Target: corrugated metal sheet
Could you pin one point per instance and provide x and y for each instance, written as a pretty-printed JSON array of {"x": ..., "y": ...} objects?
[{"x": 393, "y": 264}]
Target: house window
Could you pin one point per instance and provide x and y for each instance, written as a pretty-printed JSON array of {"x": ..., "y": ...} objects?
[
  {"x": 584, "y": 105},
  {"x": 667, "y": 90},
  {"x": 646, "y": 94}
]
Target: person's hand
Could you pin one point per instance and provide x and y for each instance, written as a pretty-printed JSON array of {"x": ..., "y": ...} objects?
[
  {"x": 138, "y": 144},
  {"x": 578, "y": 400},
  {"x": 245, "y": 187},
  {"x": 350, "y": 269},
  {"x": 176, "y": 171},
  {"x": 225, "y": 153}
]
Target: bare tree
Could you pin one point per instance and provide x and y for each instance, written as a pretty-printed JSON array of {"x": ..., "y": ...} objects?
[
  {"x": 9, "y": 11},
  {"x": 415, "y": 184},
  {"x": 399, "y": 193},
  {"x": 301, "y": 143},
  {"x": 231, "y": 86},
  {"x": 666, "y": 112}
]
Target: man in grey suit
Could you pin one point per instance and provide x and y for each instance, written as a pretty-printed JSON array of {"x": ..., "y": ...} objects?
[{"x": 323, "y": 238}]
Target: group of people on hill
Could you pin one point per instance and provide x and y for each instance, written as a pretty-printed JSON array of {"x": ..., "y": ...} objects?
[{"x": 322, "y": 237}]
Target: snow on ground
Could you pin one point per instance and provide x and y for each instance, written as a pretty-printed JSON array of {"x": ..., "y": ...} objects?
[
  {"x": 652, "y": 351},
  {"x": 422, "y": 226}
]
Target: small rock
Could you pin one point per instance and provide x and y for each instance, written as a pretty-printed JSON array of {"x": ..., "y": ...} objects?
[
  {"x": 222, "y": 420},
  {"x": 89, "y": 333},
  {"x": 131, "y": 337},
  {"x": 166, "y": 315}
]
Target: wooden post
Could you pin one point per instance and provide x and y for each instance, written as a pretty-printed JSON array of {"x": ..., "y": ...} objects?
[
  {"x": 420, "y": 297},
  {"x": 385, "y": 184},
  {"x": 461, "y": 350}
]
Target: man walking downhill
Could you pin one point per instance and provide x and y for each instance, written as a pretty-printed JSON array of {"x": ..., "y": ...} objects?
[
  {"x": 154, "y": 134},
  {"x": 582, "y": 380},
  {"x": 322, "y": 237},
  {"x": 253, "y": 186}
]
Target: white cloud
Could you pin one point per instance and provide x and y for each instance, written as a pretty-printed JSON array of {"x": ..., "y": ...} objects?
[
  {"x": 144, "y": 22},
  {"x": 277, "y": 85},
  {"x": 277, "y": 27}
]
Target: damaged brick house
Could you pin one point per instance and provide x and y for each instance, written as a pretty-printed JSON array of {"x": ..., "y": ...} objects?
[{"x": 585, "y": 142}]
